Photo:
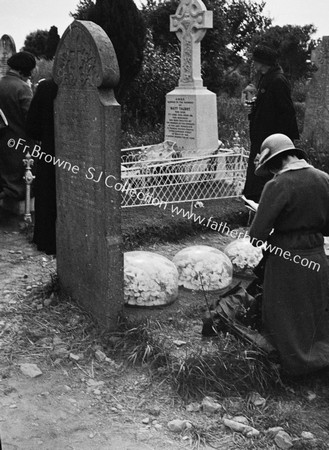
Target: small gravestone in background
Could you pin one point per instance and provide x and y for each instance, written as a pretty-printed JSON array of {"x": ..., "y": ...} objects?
[
  {"x": 7, "y": 49},
  {"x": 87, "y": 140},
  {"x": 191, "y": 110},
  {"x": 316, "y": 122}
]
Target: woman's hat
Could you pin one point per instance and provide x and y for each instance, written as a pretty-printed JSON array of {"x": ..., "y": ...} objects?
[
  {"x": 24, "y": 61},
  {"x": 275, "y": 145},
  {"x": 265, "y": 55}
]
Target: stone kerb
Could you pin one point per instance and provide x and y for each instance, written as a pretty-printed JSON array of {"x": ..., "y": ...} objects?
[
  {"x": 87, "y": 135},
  {"x": 7, "y": 49}
]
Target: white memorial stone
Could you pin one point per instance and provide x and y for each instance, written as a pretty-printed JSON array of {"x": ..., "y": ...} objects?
[{"x": 191, "y": 110}]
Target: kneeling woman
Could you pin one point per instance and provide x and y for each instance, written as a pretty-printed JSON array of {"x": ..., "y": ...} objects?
[{"x": 293, "y": 216}]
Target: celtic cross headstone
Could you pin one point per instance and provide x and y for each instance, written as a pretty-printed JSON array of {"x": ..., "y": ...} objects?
[
  {"x": 190, "y": 24},
  {"x": 191, "y": 110}
]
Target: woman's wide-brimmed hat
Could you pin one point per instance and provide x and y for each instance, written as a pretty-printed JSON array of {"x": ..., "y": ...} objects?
[{"x": 275, "y": 145}]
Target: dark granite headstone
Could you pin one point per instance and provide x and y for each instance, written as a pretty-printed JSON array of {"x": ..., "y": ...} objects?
[
  {"x": 316, "y": 122},
  {"x": 7, "y": 49},
  {"x": 87, "y": 139}
]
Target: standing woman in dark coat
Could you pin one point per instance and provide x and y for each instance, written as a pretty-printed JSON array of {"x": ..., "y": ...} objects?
[
  {"x": 40, "y": 126},
  {"x": 293, "y": 217},
  {"x": 272, "y": 112}
]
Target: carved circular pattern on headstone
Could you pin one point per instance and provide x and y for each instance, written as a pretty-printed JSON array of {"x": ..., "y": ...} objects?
[
  {"x": 85, "y": 57},
  {"x": 190, "y": 23}
]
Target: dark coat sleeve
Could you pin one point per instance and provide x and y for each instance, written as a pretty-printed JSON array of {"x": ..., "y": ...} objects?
[
  {"x": 285, "y": 111},
  {"x": 34, "y": 117},
  {"x": 24, "y": 97},
  {"x": 40, "y": 117}
]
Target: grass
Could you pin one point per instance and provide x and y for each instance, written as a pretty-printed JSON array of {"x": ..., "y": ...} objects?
[
  {"x": 151, "y": 224},
  {"x": 139, "y": 345},
  {"x": 232, "y": 118},
  {"x": 233, "y": 369},
  {"x": 222, "y": 367}
]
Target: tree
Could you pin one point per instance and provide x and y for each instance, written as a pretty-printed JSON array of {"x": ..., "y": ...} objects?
[
  {"x": 145, "y": 99},
  {"x": 223, "y": 47},
  {"x": 52, "y": 42},
  {"x": 294, "y": 45},
  {"x": 83, "y": 9},
  {"x": 36, "y": 43},
  {"x": 124, "y": 24}
]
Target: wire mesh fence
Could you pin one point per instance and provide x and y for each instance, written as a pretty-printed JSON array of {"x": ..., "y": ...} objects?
[{"x": 159, "y": 174}]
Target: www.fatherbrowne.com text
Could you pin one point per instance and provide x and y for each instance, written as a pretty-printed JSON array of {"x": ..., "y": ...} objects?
[{"x": 111, "y": 182}]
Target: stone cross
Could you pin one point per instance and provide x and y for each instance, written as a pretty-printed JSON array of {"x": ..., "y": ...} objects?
[
  {"x": 87, "y": 149},
  {"x": 190, "y": 24}
]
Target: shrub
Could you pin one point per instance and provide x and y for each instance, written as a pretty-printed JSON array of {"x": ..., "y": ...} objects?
[
  {"x": 317, "y": 156},
  {"x": 142, "y": 135},
  {"x": 300, "y": 114},
  {"x": 232, "y": 118},
  {"x": 144, "y": 102},
  {"x": 43, "y": 69}
]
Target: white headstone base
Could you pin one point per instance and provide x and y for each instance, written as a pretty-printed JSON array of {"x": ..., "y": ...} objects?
[{"x": 191, "y": 120}]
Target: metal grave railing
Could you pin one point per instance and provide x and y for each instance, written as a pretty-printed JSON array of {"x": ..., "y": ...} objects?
[{"x": 158, "y": 174}]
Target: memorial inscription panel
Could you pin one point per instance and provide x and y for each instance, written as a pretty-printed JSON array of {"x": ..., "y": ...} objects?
[{"x": 180, "y": 118}]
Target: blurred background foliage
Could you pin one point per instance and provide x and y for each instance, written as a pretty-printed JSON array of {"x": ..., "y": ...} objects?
[{"x": 149, "y": 58}]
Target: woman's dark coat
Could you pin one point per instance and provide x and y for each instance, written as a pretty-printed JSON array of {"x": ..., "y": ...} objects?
[
  {"x": 40, "y": 126},
  {"x": 273, "y": 112}
]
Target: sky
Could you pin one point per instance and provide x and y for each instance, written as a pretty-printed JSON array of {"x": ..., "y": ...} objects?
[{"x": 20, "y": 17}]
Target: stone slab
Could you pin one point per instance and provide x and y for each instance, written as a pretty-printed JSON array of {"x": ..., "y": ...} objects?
[
  {"x": 7, "y": 49},
  {"x": 316, "y": 121},
  {"x": 87, "y": 139}
]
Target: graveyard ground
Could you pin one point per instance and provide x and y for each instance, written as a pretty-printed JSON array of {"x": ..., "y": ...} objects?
[{"x": 91, "y": 396}]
